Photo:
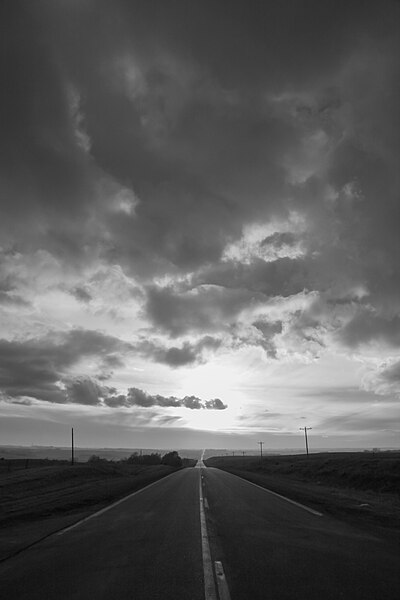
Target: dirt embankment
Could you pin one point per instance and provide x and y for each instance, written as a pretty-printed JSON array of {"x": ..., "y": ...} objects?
[
  {"x": 362, "y": 487},
  {"x": 36, "y": 501}
]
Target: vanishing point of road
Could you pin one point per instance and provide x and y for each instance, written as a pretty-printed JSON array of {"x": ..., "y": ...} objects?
[{"x": 204, "y": 534}]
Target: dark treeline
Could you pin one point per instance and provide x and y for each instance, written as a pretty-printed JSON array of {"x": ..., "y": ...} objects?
[{"x": 172, "y": 459}]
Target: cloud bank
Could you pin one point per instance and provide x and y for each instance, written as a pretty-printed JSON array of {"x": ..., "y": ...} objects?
[{"x": 198, "y": 185}]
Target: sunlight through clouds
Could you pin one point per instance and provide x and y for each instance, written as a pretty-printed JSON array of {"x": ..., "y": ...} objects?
[{"x": 185, "y": 225}]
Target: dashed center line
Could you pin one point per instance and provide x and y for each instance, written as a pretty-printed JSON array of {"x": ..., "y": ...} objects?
[
  {"x": 223, "y": 590},
  {"x": 210, "y": 592}
]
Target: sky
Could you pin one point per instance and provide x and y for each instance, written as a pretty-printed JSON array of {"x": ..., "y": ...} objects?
[{"x": 199, "y": 232}]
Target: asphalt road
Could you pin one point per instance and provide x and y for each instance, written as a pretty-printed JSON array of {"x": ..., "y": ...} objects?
[
  {"x": 150, "y": 547},
  {"x": 274, "y": 550},
  {"x": 147, "y": 547}
]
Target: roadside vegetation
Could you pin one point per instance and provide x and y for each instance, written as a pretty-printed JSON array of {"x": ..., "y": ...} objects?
[
  {"x": 362, "y": 484},
  {"x": 378, "y": 472},
  {"x": 39, "y": 496},
  {"x": 42, "y": 488}
]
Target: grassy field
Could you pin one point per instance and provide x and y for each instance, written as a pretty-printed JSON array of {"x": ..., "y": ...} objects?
[
  {"x": 362, "y": 471},
  {"x": 38, "y": 500},
  {"x": 37, "y": 492},
  {"x": 362, "y": 485}
]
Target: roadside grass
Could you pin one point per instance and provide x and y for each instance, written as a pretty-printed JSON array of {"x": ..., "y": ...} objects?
[
  {"x": 43, "y": 491},
  {"x": 40, "y": 500},
  {"x": 358, "y": 485},
  {"x": 378, "y": 472}
]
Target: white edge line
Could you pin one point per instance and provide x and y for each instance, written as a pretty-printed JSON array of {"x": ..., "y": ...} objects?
[
  {"x": 103, "y": 510},
  {"x": 223, "y": 590},
  {"x": 209, "y": 584},
  {"x": 310, "y": 510}
]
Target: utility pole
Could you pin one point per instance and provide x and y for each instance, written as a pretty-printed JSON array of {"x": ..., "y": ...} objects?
[
  {"x": 305, "y": 434},
  {"x": 72, "y": 446},
  {"x": 261, "y": 445}
]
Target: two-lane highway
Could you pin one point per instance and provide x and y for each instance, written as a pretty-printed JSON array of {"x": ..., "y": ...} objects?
[
  {"x": 275, "y": 549},
  {"x": 147, "y": 547},
  {"x": 154, "y": 545}
]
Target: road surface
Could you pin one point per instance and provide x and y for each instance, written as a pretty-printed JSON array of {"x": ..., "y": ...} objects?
[{"x": 238, "y": 543}]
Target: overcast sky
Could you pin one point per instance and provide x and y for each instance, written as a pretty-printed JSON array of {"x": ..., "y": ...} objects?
[{"x": 200, "y": 223}]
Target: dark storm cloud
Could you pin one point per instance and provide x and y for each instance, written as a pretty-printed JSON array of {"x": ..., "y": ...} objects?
[
  {"x": 202, "y": 143},
  {"x": 184, "y": 143},
  {"x": 37, "y": 367},
  {"x": 221, "y": 292},
  {"x": 7, "y": 298},
  {"x": 268, "y": 329},
  {"x": 81, "y": 294},
  {"x": 206, "y": 308},
  {"x": 281, "y": 277},
  {"x": 174, "y": 356},
  {"x": 240, "y": 45},
  {"x": 368, "y": 327},
  {"x": 215, "y": 404},
  {"x": 45, "y": 173},
  {"x": 140, "y": 398},
  {"x": 137, "y": 397},
  {"x": 84, "y": 391},
  {"x": 385, "y": 381},
  {"x": 391, "y": 374},
  {"x": 153, "y": 149},
  {"x": 278, "y": 239}
]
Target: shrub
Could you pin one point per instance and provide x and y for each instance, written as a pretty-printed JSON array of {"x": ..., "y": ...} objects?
[
  {"x": 172, "y": 459},
  {"x": 144, "y": 459},
  {"x": 96, "y": 459}
]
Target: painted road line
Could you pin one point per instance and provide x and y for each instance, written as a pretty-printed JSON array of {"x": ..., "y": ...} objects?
[
  {"x": 223, "y": 590},
  {"x": 200, "y": 464},
  {"x": 103, "y": 510},
  {"x": 210, "y": 592},
  {"x": 307, "y": 508}
]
